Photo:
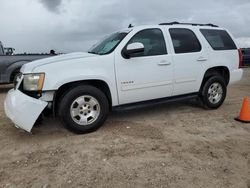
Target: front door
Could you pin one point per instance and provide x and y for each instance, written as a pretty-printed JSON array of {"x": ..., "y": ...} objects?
[{"x": 147, "y": 75}]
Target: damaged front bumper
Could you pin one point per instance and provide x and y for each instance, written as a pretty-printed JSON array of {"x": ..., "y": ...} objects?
[{"x": 23, "y": 110}]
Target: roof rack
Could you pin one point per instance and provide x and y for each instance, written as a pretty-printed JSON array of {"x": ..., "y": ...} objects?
[{"x": 193, "y": 24}]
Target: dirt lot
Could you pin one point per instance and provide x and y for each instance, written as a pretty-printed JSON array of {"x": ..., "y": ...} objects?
[{"x": 172, "y": 145}]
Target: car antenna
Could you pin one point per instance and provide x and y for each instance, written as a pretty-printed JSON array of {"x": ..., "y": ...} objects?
[{"x": 130, "y": 26}]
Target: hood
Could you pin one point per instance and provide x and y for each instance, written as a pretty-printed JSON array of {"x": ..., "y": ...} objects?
[{"x": 27, "y": 68}]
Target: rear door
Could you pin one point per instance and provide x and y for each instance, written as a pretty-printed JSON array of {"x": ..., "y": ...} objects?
[{"x": 189, "y": 58}]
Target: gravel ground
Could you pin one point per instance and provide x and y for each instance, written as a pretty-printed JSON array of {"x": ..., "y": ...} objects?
[{"x": 171, "y": 145}]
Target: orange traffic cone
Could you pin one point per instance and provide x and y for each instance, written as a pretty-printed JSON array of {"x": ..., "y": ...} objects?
[{"x": 245, "y": 112}]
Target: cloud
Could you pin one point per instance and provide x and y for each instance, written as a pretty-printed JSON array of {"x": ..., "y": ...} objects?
[
  {"x": 243, "y": 42},
  {"x": 52, "y": 5},
  {"x": 74, "y": 25}
]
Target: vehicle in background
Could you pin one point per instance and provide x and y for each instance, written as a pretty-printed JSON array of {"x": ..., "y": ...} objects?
[
  {"x": 1, "y": 49},
  {"x": 10, "y": 63},
  {"x": 9, "y": 51},
  {"x": 246, "y": 56}
]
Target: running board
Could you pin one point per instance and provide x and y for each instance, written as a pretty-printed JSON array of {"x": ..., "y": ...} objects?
[{"x": 154, "y": 102}]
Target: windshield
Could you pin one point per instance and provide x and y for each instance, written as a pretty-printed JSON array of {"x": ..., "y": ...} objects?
[{"x": 108, "y": 44}]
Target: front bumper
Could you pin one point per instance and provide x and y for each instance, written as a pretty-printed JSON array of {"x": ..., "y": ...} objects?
[{"x": 22, "y": 109}]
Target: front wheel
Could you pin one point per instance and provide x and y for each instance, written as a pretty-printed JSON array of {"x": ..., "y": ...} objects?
[
  {"x": 214, "y": 92},
  {"x": 83, "y": 109}
]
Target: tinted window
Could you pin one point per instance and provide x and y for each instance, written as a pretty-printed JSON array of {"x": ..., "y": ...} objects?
[
  {"x": 218, "y": 39},
  {"x": 184, "y": 41},
  {"x": 245, "y": 51},
  {"x": 153, "y": 41}
]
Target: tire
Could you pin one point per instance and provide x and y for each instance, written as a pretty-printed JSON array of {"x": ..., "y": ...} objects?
[
  {"x": 213, "y": 92},
  {"x": 83, "y": 109}
]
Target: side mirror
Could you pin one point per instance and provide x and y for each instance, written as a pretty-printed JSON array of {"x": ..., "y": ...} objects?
[{"x": 133, "y": 48}]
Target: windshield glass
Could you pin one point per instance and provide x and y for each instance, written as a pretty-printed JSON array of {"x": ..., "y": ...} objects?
[{"x": 108, "y": 44}]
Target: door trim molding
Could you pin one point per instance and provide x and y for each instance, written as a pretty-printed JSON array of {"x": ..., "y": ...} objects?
[{"x": 127, "y": 87}]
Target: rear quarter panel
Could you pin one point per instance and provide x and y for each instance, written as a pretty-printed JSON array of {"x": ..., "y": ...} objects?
[{"x": 226, "y": 58}]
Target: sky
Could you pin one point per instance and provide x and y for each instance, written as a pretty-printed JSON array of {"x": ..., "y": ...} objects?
[{"x": 75, "y": 25}]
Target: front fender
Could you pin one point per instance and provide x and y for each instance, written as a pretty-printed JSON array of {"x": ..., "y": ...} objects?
[
  {"x": 63, "y": 72},
  {"x": 51, "y": 84}
]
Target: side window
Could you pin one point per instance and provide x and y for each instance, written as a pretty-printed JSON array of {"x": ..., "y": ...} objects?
[
  {"x": 184, "y": 41},
  {"x": 218, "y": 39},
  {"x": 153, "y": 41}
]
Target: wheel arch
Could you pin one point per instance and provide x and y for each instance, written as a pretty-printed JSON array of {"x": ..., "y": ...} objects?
[
  {"x": 218, "y": 70},
  {"x": 100, "y": 84}
]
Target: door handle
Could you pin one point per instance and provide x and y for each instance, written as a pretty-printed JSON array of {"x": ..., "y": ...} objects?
[
  {"x": 164, "y": 63},
  {"x": 202, "y": 59}
]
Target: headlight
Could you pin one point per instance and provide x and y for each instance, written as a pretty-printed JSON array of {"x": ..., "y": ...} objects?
[{"x": 33, "y": 82}]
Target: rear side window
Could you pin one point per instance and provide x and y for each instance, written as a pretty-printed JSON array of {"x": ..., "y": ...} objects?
[
  {"x": 184, "y": 40},
  {"x": 218, "y": 39}
]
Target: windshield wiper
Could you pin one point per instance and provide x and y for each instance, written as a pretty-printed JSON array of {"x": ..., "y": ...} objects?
[{"x": 93, "y": 53}]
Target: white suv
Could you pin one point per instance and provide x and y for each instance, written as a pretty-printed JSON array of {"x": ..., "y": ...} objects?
[{"x": 136, "y": 66}]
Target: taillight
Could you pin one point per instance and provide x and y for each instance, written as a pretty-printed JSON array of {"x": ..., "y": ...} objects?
[{"x": 240, "y": 58}]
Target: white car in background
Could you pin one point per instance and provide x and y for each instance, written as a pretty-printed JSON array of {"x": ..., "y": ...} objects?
[{"x": 129, "y": 68}]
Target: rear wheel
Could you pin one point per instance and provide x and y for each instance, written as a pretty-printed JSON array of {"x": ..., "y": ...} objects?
[
  {"x": 214, "y": 92},
  {"x": 83, "y": 109}
]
